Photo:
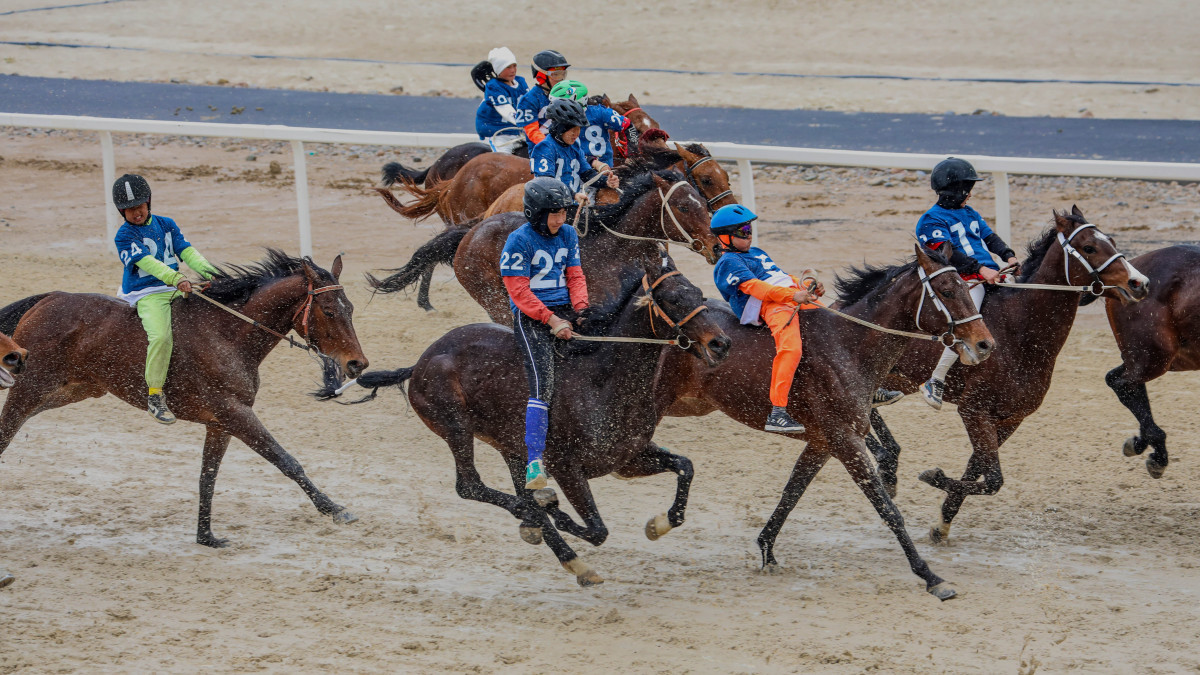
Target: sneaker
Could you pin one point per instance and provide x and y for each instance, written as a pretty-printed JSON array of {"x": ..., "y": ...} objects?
[
  {"x": 535, "y": 475},
  {"x": 932, "y": 392},
  {"x": 157, "y": 405},
  {"x": 781, "y": 422},
  {"x": 883, "y": 397}
]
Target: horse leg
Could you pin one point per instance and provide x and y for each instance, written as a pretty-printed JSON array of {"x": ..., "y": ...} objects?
[
  {"x": 423, "y": 291},
  {"x": 1131, "y": 391},
  {"x": 858, "y": 465},
  {"x": 654, "y": 460},
  {"x": 886, "y": 451},
  {"x": 531, "y": 522},
  {"x": 36, "y": 393},
  {"x": 216, "y": 442},
  {"x": 811, "y": 459},
  {"x": 243, "y": 424},
  {"x": 984, "y": 461},
  {"x": 579, "y": 494}
]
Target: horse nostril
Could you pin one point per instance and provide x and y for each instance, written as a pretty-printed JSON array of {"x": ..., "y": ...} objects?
[
  {"x": 354, "y": 368},
  {"x": 984, "y": 346},
  {"x": 719, "y": 345}
]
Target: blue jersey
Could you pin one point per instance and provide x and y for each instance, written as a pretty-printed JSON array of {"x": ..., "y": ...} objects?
[
  {"x": 160, "y": 239},
  {"x": 567, "y": 163},
  {"x": 532, "y": 106},
  {"x": 735, "y": 268},
  {"x": 964, "y": 229},
  {"x": 496, "y": 94},
  {"x": 544, "y": 260},
  {"x": 601, "y": 120}
]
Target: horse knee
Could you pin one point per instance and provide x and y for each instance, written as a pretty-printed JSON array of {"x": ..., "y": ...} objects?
[
  {"x": 683, "y": 467},
  {"x": 1113, "y": 377},
  {"x": 993, "y": 482}
]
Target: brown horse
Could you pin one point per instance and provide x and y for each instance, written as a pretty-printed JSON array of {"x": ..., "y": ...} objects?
[
  {"x": 617, "y": 235},
  {"x": 470, "y": 384},
  {"x": 214, "y": 366},
  {"x": 13, "y": 361},
  {"x": 1157, "y": 335},
  {"x": 1031, "y": 326},
  {"x": 842, "y": 365},
  {"x": 442, "y": 169}
]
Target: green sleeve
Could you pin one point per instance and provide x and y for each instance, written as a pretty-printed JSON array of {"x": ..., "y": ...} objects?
[
  {"x": 197, "y": 262},
  {"x": 158, "y": 270}
]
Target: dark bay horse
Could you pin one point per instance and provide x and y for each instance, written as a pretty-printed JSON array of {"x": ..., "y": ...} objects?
[
  {"x": 214, "y": 365},
  {"x": 616, "y": 236},
  {"x": 1031, "y": 327},
  {"x": 470, "y": 385},
  {"x": 842, "y": 365},
  {"x": 1157, "y": 335}
]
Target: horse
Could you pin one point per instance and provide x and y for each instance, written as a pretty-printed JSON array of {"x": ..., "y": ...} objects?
[
  {"x": 1159, "y": 334},
  {"x": 213, "y": 378},
  {"x": 1031, "y": 326},
  {"x": 470, "y": 384},
  {"x": 442, "y": 169},
  {"x": 842, "y": 365},
  {"x": 656, "y": 207},
  {"x": 13, "y": 361}
]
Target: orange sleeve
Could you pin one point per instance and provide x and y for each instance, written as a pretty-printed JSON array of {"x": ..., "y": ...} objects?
[
  {"x": 534, "y": 131},
  {"x": 577, "y": 287},
  {"x": 767, "y": 292},
  {"x": 523, "y": 297}
]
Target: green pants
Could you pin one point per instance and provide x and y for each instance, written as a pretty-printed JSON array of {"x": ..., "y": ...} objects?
[{"x": 155, "y": 312}]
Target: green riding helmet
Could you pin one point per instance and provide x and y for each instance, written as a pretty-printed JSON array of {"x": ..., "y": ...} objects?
[{"x": 569, "y": 89}]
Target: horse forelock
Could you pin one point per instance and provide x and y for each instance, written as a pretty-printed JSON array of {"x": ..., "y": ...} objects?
[
  {"x": 697, "y": 149},
  {"x": 234, "y": 284}
]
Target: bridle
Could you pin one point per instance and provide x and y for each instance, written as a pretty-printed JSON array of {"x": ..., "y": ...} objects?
[
  {"x": 306, "y": 309},
  {"x": 1097, "y": 286},
  {"x": 948, "y": 338},
  {"x": 691, "y": 177},
  {"x": 664, "y": 211},
  {"x": 680, "y": 340}
]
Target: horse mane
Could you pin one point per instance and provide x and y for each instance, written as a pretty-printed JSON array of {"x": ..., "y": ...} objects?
[
  {"x": 861, "y": 282},
  {"x": 1037, "y": 249},
  {"x": 234, "y": 284},
  {"x": 651, "y": 160},
  {"x": 637, "y": 185},
  {"x": 602, "y": 319}
]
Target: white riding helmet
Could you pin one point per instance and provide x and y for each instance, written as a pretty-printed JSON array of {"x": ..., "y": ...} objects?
[{"x": 501, "y": 58}]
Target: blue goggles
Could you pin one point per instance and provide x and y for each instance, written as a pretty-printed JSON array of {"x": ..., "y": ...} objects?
[{"x": 744, "y": 232}]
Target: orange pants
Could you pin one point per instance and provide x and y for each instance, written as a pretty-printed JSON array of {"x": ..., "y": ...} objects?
[{"x": 788, "y": 348}]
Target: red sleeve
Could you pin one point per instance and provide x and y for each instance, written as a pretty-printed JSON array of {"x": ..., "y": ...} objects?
[
  {"x": 523, "y": 297},
  {"x": 935, "y": 245},
  {"x": 534, "y": 131},
  {"x": 577, "y": 286}
]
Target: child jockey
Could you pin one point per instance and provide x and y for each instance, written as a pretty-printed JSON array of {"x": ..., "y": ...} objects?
[
  {"x": 549, "y": 68},
  {"x": 547, "y": 249},
  {"x": 968, "y": 240},
  {"x": 601, "y": 120},
  {"x": 497, "y": 112},
  {"x": 151, "y": 247},
  {"x": 559, "y": 156}
]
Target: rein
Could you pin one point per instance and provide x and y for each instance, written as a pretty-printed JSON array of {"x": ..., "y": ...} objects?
[
  {"x": 682, "y": 341},
  {"x": 1096, "y": 288},
  {"x": 664, "y": 210},
  {"x": 306, "y": 309}
]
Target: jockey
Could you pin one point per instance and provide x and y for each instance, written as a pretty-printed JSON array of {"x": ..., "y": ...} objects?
[
  {"x": 561, "y": 156},
  {"x": 601, "y": 120},
  {"x": 546, "y": 249},
  {"x": 757, "y": 289},
  {"x": 151, "y": 247},
  {"x": 549, "y": 68},
  {"x": 967, "y": 240},
  {"x": 497, "y": 112}
]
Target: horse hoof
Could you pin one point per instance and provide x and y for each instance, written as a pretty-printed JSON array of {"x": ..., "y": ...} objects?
[
  {"x": 212, "y": 542},
  {"x": 545, "y": 497},
  {"x": 943, "y": 591},
  {"x": 939, "y": 534},
  {"x": 658, "y": 526},
  {"x": 531, "y": 535},
  {"x": 583, "y": 572},
  {"x": 344, "y": 517},
  {"x": 1130, "y": 448},
  {"x": 771, "y": 569},
  {"x": 1155, "y": 469},
  {"x": 6, "y": 579},
  {"x": 933, "y": 477}
]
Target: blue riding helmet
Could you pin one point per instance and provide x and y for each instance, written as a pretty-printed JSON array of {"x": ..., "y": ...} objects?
[{"x": 729, "y": 219}]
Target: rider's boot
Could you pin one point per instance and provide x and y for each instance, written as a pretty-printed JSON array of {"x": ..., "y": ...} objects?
[
  {"x": 932, "y": 392},
  {"x": 781, "y": 422},
  {"x": 535, "y": 475},
  {"x": 157, "y": 405}
]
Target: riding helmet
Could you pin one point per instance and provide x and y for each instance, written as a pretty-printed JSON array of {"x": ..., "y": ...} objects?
[
  {"x": 129, "y": 191},
  {"x": 569, "y": 89},
  {"x": 544, "y": 61},
  {"x": 501, "y": 58},
  {"x": 565, "y": 113},
  {"x": 950, "y": 171},
  {"x": 544, "y": 194},
  {"x": 729, "y": 218}
]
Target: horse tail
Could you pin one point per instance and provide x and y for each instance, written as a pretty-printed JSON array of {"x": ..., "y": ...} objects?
[
  {"x": 439, "y": 250},
  {"x": 372, "y": 380},
  {"x": 426, "y": 204},
  {"x": 11, "y": 315},
  {"x": 395, "y": 171}
]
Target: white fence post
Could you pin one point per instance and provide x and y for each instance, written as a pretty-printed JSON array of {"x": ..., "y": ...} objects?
[
  {"x": 112, "y": 217},
  {"x": 746, "y": 180},
  {"x": 1003, "y": 206},
  {"x": 301, "y": 171}
]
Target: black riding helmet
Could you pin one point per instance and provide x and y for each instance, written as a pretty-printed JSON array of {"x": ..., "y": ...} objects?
[
  {"x": 545, "y": 60},
  {"x": 564, "y": 114},
  {"x": 543, "y": 195},
  {"x": 129, "y": 191},
  {"x": 952, "y": 179}
]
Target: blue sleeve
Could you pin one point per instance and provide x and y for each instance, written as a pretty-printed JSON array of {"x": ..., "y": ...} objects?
[
  {"x": 527, "y": 108},
  {"x": 541, "y": 159},
  {"x": 514, "y": 260},
  {"x": 984, "y": 230},
  {"x": 177, "y": 237},
  {"x": 930, "y": 230},
  {"x": 129, "y": 247},
  {"x": 573, "y": 247},
  {"x": 614, "y": 121},
  {"x": 730, "y": 273}
]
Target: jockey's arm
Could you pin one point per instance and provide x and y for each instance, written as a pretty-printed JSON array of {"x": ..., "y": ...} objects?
[
  {"x": 577, "y": 287},
  {"x": 533, "y": 130},
  {"x": 766, "y": 292},
  {"x": 157, "y": 269},
  {"x": 197, "y": 262},
  {"x": 965, "y": 264},
  {"x": 523, "y": 297},
  {"x": 507, "y": 113}
]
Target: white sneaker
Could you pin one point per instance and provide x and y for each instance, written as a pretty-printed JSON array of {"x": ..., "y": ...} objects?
[{"x": 932, "y": 392}]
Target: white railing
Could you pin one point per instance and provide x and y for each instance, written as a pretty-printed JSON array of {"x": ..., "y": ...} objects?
[{"x": 744, "y": 155}]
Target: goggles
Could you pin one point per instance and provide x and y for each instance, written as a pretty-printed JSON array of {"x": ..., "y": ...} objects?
[{"x": 744, "y": 232}]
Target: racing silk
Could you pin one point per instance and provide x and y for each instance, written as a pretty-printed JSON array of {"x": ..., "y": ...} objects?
[
  {"x": 963, "y": 229},
  {"x": 498, "y": 109},
  {"x": 549, "y": 265},
  {"x": 531, "y": 114},
  {"x": 734, "y": 269},
  {"x": 567, "y": 163},
  {"x": 595, "y": 138},
  {"x": 149, "y": 254}
]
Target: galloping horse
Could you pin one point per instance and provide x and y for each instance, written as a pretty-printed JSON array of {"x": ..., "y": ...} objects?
[
  {"x": 12, "y": 363},
  {"x": 1031, "y": 326},
  {"x": 656, "y": 207},
  {"x": 214, "y": 367},
  {"x": 843, "y": 364},
  {"x": 470, "y": 384},
  {"x": 1156, "y": 335}
]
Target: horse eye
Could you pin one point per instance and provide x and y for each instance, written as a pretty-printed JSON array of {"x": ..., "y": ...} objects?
[
  {"x": 947, "y": 294},
  {"x": 685, "y": 208},
  {"x": 1089, "y": 249},
  {"x": 328, "y": 314}
]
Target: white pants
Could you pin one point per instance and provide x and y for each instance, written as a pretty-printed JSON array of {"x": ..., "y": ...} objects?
[{"x": 949, "y": 356}]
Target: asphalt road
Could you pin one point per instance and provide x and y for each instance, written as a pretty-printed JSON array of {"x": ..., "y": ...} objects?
[{"x": 983, "y": 134}]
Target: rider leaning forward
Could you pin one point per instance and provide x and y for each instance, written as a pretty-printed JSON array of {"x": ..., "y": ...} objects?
[
  {"x": 961, "y": 234},
  {"x": 549, "y": 68},
  {"x": 561, "y": 156},
  {"x": 151, "y": 246},
  {"x": 542, "y": 273},
  {"x": 601, "y": 118}
]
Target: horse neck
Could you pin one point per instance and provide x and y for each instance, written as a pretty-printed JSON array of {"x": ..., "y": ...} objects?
[
  {"x": 1042, "y": 318},
  {"x": 895, "y": 308},
  {"x": 272, "y": 305},
  {"x": 629, "y": 367}
]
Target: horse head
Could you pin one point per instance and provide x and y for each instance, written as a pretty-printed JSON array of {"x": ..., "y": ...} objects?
[
  {"x": 946, "y": 307},
  {"x": 707, "y": 175},
  {"x": 676, "y": 309},
  {"x": 685, "y": 210},
  {"x": 325, "y": 318},
  {"x": 13, "y": 361},
  {"x": 1090, "y": 258}
]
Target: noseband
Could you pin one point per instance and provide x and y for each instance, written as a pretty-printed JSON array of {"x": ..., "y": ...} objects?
[
  {"x": 948, "y": 337},
  {"x": 692, "y": 178},
  {"x": 682, "y": 340},
  {"x": 1097, "y": 286}
]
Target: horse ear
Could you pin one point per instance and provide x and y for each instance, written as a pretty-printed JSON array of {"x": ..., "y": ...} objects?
[
  {"x": 633, "y": 101},
  {"x": 309, "y": 272},
  {"x": 1061, "y": 222},
  {"x": 687, "y": 156},
  {"x": 1075, "y": 211},
  {"x": 923, "y": 258},
  {"x": 336, "y": 268}
]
